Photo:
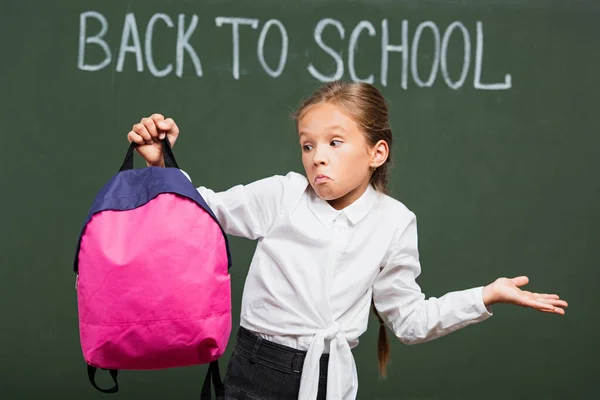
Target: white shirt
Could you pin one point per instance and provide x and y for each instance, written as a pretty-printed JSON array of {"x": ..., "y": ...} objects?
[{"x": 316, "y": 269}]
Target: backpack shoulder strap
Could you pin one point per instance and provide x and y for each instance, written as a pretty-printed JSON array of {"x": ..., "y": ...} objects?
[
  {"x": 214, "y": 374},
  {"x": 113, "y": 374}
]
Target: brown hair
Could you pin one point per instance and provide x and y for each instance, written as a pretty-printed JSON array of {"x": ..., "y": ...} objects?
[{"x": 365, "y": 104}]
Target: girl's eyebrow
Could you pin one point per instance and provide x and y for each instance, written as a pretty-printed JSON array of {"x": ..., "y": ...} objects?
[
  {"x": 328, "y": 129},
  {"x": 335, "y": 128}
]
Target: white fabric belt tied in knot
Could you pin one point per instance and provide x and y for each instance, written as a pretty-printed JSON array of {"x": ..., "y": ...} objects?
[{"x": 342, "y": 381}]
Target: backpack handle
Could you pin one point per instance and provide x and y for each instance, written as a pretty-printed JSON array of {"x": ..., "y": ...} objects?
[{"x": 167, "y": 154}]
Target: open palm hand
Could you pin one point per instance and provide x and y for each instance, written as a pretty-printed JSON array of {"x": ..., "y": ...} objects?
[{"x": 507, "y": 290}]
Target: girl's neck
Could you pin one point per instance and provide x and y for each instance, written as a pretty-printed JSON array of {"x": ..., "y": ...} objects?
[{"x": 350, "y": 197}]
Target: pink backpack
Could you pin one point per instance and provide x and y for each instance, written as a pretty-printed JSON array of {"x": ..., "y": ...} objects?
[{"x": 152, "y": 265}]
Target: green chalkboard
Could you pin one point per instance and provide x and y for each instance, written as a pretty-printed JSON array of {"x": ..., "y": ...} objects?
[{"x": 494, "y": 110}]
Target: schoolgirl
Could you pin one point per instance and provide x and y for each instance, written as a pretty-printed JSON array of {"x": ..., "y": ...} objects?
[{"x": 332, "y": 245}]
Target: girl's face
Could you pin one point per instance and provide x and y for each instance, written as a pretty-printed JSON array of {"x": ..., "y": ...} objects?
[{"x": 335, "y": 154}]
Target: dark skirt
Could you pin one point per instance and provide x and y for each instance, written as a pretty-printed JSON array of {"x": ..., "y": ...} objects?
[{"x": 261, "y": 369}]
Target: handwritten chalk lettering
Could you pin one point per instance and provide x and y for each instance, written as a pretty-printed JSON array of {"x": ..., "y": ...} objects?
[
  {"x": 183, "y": 37},
  {"x": 93, "y": 29},
  {"x": 415, "y": 52},
  {"x": 339, "y": 72},
  {"x": 148, "y": 45},
  {"x": 130, "y": 30},
  {"x": 235, "y": 23},
  {"x": 440, "y": 54},
  {"x": 130, "y": 43},
  {"x": 353, "y": 45},
  {"x": 84, "y": 40},
  {"x": 478, "y": 61},
  {"x": 387, "y": 48},
  {"x": 466, "y": 55},
  {"x": 284, "y": 47}
]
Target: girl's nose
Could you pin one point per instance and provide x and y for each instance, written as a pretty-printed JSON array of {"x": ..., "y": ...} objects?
[{"x": 319, "y": 158}]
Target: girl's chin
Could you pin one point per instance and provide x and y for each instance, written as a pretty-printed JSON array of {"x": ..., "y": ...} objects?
[{"x": 325, "y": 192}]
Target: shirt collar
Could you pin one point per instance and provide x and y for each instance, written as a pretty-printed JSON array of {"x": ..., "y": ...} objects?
[{"x": 354, "y": 212}]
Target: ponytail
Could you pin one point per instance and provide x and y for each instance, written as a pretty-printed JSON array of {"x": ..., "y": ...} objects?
[{"x": 383, "y": 345}]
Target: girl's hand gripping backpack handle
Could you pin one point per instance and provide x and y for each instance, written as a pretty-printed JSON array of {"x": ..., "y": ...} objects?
[{"x": 167, "y": 154}]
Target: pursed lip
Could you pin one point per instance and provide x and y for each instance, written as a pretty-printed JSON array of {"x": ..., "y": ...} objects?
[{"x": 322, "y": 178}]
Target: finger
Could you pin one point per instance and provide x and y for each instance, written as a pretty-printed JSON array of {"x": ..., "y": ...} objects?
[
  {"x": 151, "y": 127},
  {"x": 548, "y": 296},
  {"x": 552, "y": 308},
  {"x": 559, "y": 303},
  {"x": 538, "y": 305},
  {"x": 556, "y": 310},
  {"x": 555, "y": 302},
  {"x": 544, "y": 307},
  {"x": 520, "y": 280},
  {"x": 543, "y": 302},
  {"x": 165, "y": 125},
  {"x": 157, "y": 118},
  {"x": 141, "y": 130},
  {"x": 169, "y": 126},
  {"x": 134, "y": 137},
  {"x": 174, "y": 127}
]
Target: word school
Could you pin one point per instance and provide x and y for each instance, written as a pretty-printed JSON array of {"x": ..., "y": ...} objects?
[{"x": 409, "y": 49}]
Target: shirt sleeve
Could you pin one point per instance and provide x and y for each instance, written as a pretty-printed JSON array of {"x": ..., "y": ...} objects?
[
  {"x": 249, "y": 210},
  {"x": 402, "y": 305}
]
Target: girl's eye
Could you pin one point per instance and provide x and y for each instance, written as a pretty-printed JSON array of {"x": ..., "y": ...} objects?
[
  {"x": 335, "y": 143},
  {"x": 307, "y": 147}
]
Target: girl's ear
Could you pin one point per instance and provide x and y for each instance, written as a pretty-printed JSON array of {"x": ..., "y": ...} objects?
[{"x": 379, "y": 153}]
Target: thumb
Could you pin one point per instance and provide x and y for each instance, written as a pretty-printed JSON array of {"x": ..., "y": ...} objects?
[
  {"x": 520, "y": 280},
  {"x": 165, "y": 125}
]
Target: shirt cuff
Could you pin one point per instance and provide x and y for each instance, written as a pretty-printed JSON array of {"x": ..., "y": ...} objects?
[{"x": 480, "y": 305}]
